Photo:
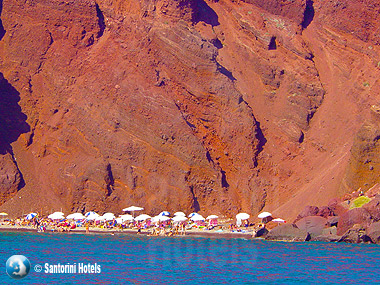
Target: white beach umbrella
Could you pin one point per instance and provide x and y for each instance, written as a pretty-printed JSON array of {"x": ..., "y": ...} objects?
[
  {"x": 30, "y": 216},
  {"x": 155, "y": 219},
  {"x": 133, "y": 208},
  {"x": 192, "y": 214},
  {"x": 75, "y": 215},
  {"x": 179, "y": 214},
  {"x": 211, "y": 217},
  {"x": 3, "y": 214},
  {"x": 197, "y": 218},
  {"x": 126, "y": 217},
  {"x": 59, "y": 213},
  {"x": 278, "y": 220},
  {"x": 91, "y": 213},
  {"x": 264, "y": 215},
  {"x": 92, "y": 216},
  {"x": 100, "y": 218},
  {"x": 179, "y": 218},
  {"x": 142, "y": 217},
  {"x": 79, "y": 217},
  {"x": 56, "y": 216},
  {"x": 242, "y": 216},
  {"x": 163, "y": 218}
]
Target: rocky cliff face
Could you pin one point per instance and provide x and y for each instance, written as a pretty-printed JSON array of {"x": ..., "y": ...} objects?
[{"x": 212, "y": 106}]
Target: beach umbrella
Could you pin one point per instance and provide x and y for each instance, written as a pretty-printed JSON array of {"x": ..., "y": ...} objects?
[
  {"x": 142, "y": 217},
  {"x": 126, "y": 217},
  {"x": 100, "y": 218},
  {"x": 278, "y": 220},
  {"x": 197, "y": 218},
  {"x": 3, "y": 214},
  {"x": 242, "y": 216},
  {"x": 133, "y": 208},
  {"x": 59, "y": 213},
  {"x": 192, "y": 214},
  {"x": 155, "y": 219},
  {"x": 79, "y": 217},
  {"x": 211, "y": 217},
  {"x": 56, "y": 216},
  {"x": 164, "y": 213},
  {"x": 92, "y": 216},
  {"x": 163, "y": 218},
  {"x": 179, "y": 214},
  {"x": 179, "y": 218},
  {"x": 31, "y": 216},
  {"x": 75, "y": 216},
  {"x": 264, "y": 215},
  {"x": 91, "y": 213},
  {"x": 109, "y": 218}
]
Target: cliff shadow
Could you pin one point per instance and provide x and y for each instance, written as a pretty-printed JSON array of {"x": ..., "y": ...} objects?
[
  {"x": 12, "y": 119},
  {"x": 2, "y": 30},
  {"x": 206, "y": 14}
]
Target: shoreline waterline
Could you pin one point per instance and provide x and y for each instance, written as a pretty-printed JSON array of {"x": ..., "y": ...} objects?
[{"x": 192, "y": 233}]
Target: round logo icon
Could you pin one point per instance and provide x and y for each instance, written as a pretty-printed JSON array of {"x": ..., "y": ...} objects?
[{"x": 17, "y": 266}]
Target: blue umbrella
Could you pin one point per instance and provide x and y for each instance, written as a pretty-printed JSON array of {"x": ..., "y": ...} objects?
[
  {"x": 90, "y": 213},
  {"x": 164, "y": 213},
  {"x": 31, "y": 216}
]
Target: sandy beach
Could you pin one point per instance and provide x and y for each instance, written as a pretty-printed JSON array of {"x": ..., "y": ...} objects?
[{"x": 96, "y": 230}]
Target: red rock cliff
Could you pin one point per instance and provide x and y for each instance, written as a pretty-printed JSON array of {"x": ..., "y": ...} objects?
[{"x": 217, "y": 106}]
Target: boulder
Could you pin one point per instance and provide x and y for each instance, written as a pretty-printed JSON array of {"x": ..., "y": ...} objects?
[
  {"x": 262, "y": 232},
  {"x": 325, "y": 211},
  {"x": 373, "y": 232},
  {"x": 288, "y": 232},
  {"x": 332, "y": 221},
  {"x": 329, "y": 231},
  {"x": 326, "y": 238},
  {"x": 306, "y": 212},
  {"x": 356, "y": 234},
  {"x": 339, "y": 208},
  {"x": 373, "y": 208},
  {"x": 313, "y": 225},
  {"x": 355, "y": 216}
]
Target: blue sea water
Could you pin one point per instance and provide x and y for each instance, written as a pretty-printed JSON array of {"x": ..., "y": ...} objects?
[{"x": 133, "y": 259}]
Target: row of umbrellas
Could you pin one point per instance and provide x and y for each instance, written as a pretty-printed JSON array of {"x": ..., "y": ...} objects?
[
  {"x": 163, "y": 216},
  {"x": 263, "y": 215}
]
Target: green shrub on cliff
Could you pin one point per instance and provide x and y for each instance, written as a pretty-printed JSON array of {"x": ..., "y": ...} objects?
[{"x": 359, "y": 202}]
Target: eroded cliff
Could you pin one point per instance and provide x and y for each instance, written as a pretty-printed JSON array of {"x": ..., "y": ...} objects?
[{"x": 212, "y": 106}]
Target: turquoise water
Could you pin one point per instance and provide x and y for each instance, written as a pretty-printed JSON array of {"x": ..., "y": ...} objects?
[{"x": 128, "y": 259}]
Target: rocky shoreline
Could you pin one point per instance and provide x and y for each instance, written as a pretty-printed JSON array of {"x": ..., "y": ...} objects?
[{"x": 353, "y": 219}]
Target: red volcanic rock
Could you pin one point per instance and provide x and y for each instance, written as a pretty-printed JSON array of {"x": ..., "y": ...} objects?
[
  {"x": 308, "y": 211},
  {"x": 373, "y": 232},
  {"x": 332, "y": 221},
  {"x": 10, "y": 177},
  {"x": 358, "y": 216},
  {"x": 373, "y": 207},
  {"x": 355, "y": 234},
  {"x": 288, "y": 232},
  {"x": 325, "y": 212},
  {"x": 313, "y": 225},
  {"x": 338, "y": 208}
]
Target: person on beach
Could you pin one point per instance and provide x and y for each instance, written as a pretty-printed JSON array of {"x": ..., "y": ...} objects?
[{"x": 87, "y": 228}]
